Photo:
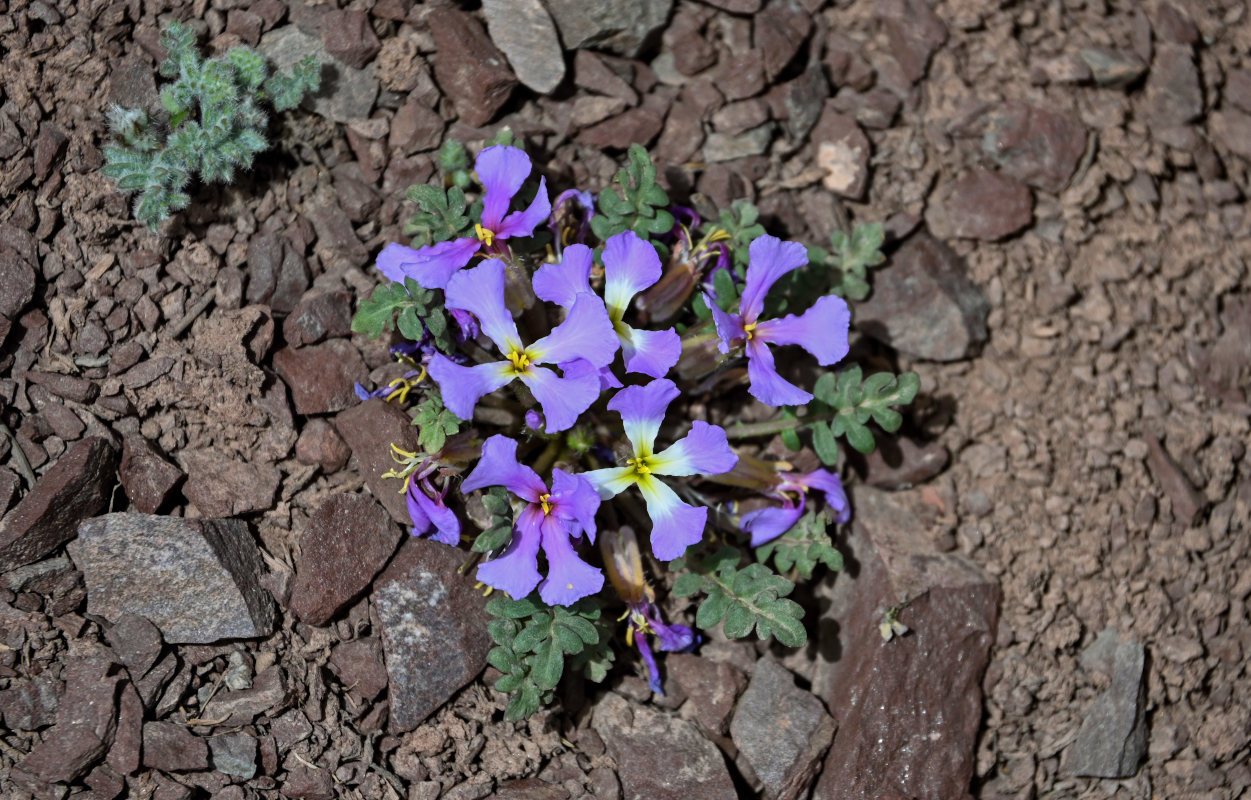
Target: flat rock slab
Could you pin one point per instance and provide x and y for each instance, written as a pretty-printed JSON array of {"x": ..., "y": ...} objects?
[
  {"x": 321, "y": 377},
  {"x": 908, "y": 709},
  {"x": 621, "y": 28},
  {"x": 346, "y": 93},
  {"x": 369, "y": 430},
  {"x": 1113, "y": 736},
  {"x": 75, "y": 488},
  {"x": 434, "y": 629},
  {"x": 348, "y": 541},
  {"x": 196, "y": 580},
  {"x": 924, "y": 303},
  {"x": 468, "y": 67},
  {"x": 221, "y": 486},
  {"x": 781, "y": 730},
  {"x": 659, "y": 756},
  {"x": 525, "y": 32}
]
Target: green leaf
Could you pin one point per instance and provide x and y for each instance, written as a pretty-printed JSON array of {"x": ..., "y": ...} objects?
[
  {"x": 860, "y": 437},
  {"x": 825, "y": 443},
  {"x": 440, "y": 216},
  {"x": 634, "y": 202},
  {"x": 492, "y": 539},
  {"x": 752, "y": 597},
  {"x": 548, "y": 665},
  {"x": 805, "y": 546}
]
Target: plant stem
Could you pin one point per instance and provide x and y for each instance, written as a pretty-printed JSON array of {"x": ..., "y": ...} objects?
[{"x": 771, "y": 426}]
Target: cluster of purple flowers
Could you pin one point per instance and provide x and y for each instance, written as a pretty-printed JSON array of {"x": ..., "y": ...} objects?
[{"x": 569, "y": 368}]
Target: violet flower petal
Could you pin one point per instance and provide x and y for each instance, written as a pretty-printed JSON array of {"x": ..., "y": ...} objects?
[
  {"x": 769, "y": 258},
  {"x": 585, "y": 334},
  {"x": 569, "y": 578},
  {"x": 767, "y": 385},
  {"x": 502, "y": 170},
  {"x": 561, "y": 283},
  {"x": 642, "y": 409},
  {"x": 651, "y": 353},
  {"x": 562, "y": 399},
  {"x": 675, "y": 525},
  {"x": 462, "y": 387},
  {"x": 821, "y": 330},
  {"x": 729, "y": 326},
  {"x": 703, "y": 451},
  {"x": 831, "y": 485},
  {"x": 444, "y": 519},
  {"x": 516, "y": 570},
  {"x": 574, "y": 498},
  {"x": 630, "y": 266},
  {"x": 431, "y": 266},
  {"x": 499, "y": 467},
  {"x": 480, "y": 291},
  {"x": 523, "y": 223},
  {"x": 610, "y": 481},
  {"x": 767, "y": 524}
]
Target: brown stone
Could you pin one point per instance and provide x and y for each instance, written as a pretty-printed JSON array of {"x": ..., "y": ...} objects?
[
  {"x": 196, "y": 580},
  {"x": 322, "y": 378},
  {"x": 76, "y": 487},
  {"x": 1231, "y": 129},
  {"x": 711, "y": 689},
  {"x": 909, "y": 709},
  {"x": 915, "y": 33},
  {"x": 321, "y": 444},
  {"x": 636, "y": 126},
  {"x": 1174, "y": 91},
  {"x": 1040, "y": 147},
  {"x": 80, "y": 390},
  {"x": 782, "y": 731},
  {"x": 900, "y": 463},
  {"x": 468, "y": 67},
  {"x": 240, "y": 707},
  {"x": 303, "y": 783},
  {"x": 434, "y": 629},
  {"x": 369, "y": 430},
  {"x": 170, "y": 747},
  {"x": 591, "y": 71},
  {"x": 416, "y": 128},
  {"x": 320, "y": 315},
  {"x": 741, "y": 75},
  {"x": 778, "y": 32},
  {"x": 981, "y": 205},
  {"x": 843, "y": 152},
  {"x": 924, "y": 303},
  {"x": 221, "y": 486},
  {"x": 1188, "y": 502},
  {"x": 348, "y": 541},
  {"x": 659, "y": 756},
  {"x": 349, "y": 37},
  {"x": 146, "y": 476},
  {"x": 137, "y": 642},
  {"x": 123, "y": 756},
  {"x": 684, "y": 37},
  {"x": 360, "y": 667}
]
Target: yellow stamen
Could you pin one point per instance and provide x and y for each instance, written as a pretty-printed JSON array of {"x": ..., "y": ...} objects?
[
  {"x": 748, "y": 329},
  {"x": 719, "y": 235},
  {"x": 520, "y": 361},
  {"x": 486, "y": 235},
  {"x": 640, "y": 465},
  {"x": 396, "y": 452},
  {"x": 545, "y": 500}
]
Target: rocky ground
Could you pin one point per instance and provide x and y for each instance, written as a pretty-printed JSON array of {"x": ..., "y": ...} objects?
[{"x": 1064, "y": 519}]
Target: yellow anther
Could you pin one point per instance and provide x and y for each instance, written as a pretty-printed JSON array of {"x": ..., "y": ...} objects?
[
  {"x": 545, "y": 500},
  {"x": 719, "y": 235},
  {"x": 396, "y": 452},
  {"x": 640, "y": 465},
  {"x": 520, "y": 361},
  {"x": 402, "y": 389},
  {"x": 749, "y": 330},
  {"x": 486, "y": 235}
]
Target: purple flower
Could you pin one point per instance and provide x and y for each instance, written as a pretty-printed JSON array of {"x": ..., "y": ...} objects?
[
  {"x": 429, "y": 512},
  {"x": 549, "y": 520},
  {"x": 585, "y": 334},
  {"x": 675, "y": 525},
  {"x": 630, "y": 266},
  {"x": 767, "y": 524},
  {"x": 644, "y": 618},
  {"x": 821, "y": 330},
  {"x": 502, "y": 170}
]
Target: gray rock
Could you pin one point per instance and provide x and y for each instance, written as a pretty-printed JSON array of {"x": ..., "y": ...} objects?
[
  {"x": 1113, "y": 736},
  {"x": 434, "y": 629},
  {"x": 924, "y": 304},
  {"x": 782, "y": 731},
  {"x": 196, "y": 580},
  {"x": 909, "y": 709},
  {"x": 1110, "y": 67},
  {"x": 723, "y": 147},
  {"x": 659, "y": 757},
  {"x": 622, "y": 28},
  {"x": 843, "y": 152},
  {"x": 524, "y": 31},
  {"x": 346, "y": 93},
  {"x": 234, "y": 754},
  {"x": 1100, "y": 655}
]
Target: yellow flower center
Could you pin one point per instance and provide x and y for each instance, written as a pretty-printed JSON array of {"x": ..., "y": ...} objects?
[
  {"x": 520, "y": 361},
  {"x": 486, "y": 235},
  {"x": 640, "y": 465},
  {"x": 545, "y": 500},
  {"x": 750, "y": 331}
]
